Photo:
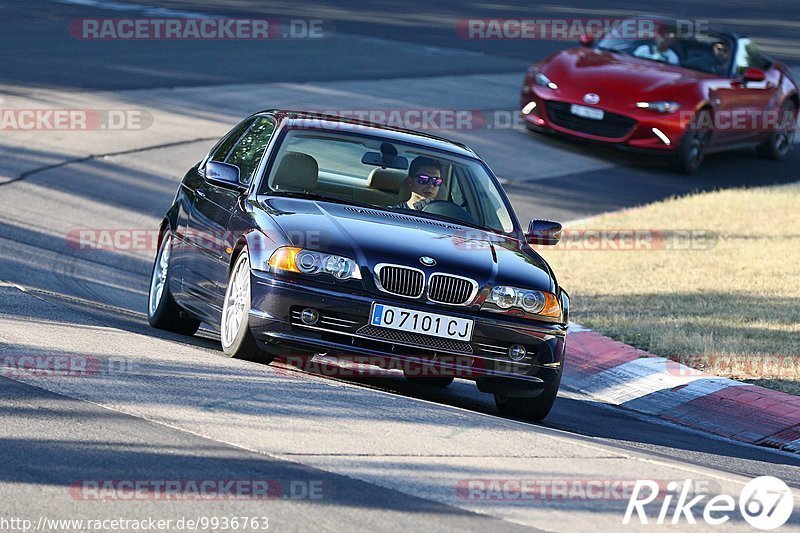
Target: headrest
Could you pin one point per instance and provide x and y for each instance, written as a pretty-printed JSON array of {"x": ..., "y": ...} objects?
[
  {"x": 297, "y": 171},
  {"x": 385, "y": 179}
]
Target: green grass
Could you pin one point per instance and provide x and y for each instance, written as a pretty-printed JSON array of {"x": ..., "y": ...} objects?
[{"x": 730, "y": 306}]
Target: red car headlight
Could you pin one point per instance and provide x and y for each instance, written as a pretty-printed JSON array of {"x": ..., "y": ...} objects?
[{"x": 661, "y": 106}]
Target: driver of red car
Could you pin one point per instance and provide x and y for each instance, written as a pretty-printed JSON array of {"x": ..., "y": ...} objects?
[{"x": 659, "y": 49}]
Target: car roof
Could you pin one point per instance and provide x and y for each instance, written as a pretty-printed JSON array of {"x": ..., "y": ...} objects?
[{"x": 325, "y": 122}]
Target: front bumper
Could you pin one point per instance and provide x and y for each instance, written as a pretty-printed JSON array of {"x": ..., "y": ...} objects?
[
  {"x": 343, "y": 331},
  {"x": 630, "y": 128}
]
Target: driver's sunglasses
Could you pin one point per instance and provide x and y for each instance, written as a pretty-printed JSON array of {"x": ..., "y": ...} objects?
[{"x": 423, "y": 179}]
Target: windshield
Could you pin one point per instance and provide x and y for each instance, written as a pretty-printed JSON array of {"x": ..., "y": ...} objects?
[
  {"x": 705, "y": 52},
  {"x": 433, "y": 184}
]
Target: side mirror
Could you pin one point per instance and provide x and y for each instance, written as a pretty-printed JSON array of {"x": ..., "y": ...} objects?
[
  {"x": 223, "y": 174},
  {"x": 586, "y": 40},
  {"x": 754, "y": 74},
  {"x": 544, "y": 232}
]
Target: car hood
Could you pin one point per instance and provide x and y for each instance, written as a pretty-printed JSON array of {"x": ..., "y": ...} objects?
[
  {"x": 372, "y": 236},
  {"x": 618, "y": 79}
]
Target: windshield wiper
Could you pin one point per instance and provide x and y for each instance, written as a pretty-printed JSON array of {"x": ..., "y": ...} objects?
[{"x": 443, "y": 218}]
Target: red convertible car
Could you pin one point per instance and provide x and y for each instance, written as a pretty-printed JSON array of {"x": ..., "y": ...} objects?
[{"x": 679, "y": 96}]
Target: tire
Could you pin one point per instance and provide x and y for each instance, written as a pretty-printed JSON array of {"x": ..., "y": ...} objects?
[
  {"x": 235, "y": 336},
  {"x": 780, "y": 142},
  {"x": 532, "y": 409},
  {"x": 692, "y": 151},
  {"x": 162, "y": 310},
  {"x": 437, "y": 381}
]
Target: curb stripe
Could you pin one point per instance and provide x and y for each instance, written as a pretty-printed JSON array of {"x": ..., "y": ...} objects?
[
  {"x": 666, "y": 400},
  {"x": 622, "y": 375},
  {"x": 591, "y": 353}
]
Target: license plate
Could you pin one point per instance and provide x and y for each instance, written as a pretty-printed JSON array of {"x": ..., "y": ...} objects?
[
  {"x": 587, "y": 112},
  {"x": 446, "y": 327}
]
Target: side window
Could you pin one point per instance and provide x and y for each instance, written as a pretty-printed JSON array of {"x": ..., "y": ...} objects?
[
  {"x": 224, "y": 148},
  {"x": 246, "y": 154}
]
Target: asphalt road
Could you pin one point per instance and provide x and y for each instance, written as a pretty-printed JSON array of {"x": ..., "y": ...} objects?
[
  {"x": 34, "y": 30},
  {"x": 389, "y": 453}
]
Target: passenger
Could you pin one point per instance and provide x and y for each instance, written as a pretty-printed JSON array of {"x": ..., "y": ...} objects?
[{"x": 424, "y": 178}]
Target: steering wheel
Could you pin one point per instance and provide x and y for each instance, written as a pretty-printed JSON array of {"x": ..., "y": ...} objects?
[{"x": 450, "y": 210}]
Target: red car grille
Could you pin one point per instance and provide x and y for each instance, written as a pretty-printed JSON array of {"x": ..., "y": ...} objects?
[{"x": 612, "y": 126}]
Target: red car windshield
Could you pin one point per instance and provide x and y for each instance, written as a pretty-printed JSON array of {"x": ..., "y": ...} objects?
[{"x": 702, "y": 51}]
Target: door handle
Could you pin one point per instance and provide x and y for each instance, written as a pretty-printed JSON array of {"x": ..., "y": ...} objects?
[{"x": 200, "y": 193}]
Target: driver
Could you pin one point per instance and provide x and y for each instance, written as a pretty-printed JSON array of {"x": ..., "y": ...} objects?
[
  {"x": 424, "y": 178},
  {"x": 659, "y": 49}
]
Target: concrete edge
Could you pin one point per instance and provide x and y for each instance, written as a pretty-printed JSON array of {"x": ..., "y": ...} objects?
[{"x": 622, "y": 375}]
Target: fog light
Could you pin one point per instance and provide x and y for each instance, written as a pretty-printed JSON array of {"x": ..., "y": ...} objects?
[
  {"x": 309, "y": 316},
  {"x": 517, "y": 352}
]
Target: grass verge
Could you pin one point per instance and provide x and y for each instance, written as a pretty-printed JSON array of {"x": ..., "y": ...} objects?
[{"x": 711, "y": 280}]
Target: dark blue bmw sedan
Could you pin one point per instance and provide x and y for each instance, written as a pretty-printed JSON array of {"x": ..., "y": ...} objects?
[{"x": 302, "y": 234}]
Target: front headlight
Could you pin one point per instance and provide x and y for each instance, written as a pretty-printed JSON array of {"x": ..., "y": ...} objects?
[
  {"x": 544, "y": 81},
  {"x": 533, "y": 302},
  {"x": 661, "y": 106},
  {"x": 503, "y": 297},
  {"x": 300, "y": 261}
]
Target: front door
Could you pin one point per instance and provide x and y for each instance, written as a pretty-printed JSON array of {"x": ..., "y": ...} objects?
[{"x": 206, "y": 272}]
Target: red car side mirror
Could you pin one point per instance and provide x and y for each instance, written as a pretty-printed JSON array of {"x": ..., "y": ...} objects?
[
  {"x": 586, "y": 40},
  {"x": 754, "y": 74}
]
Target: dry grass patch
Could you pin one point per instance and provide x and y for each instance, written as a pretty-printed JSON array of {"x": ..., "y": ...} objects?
[{"x": 726, "y": 300}]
